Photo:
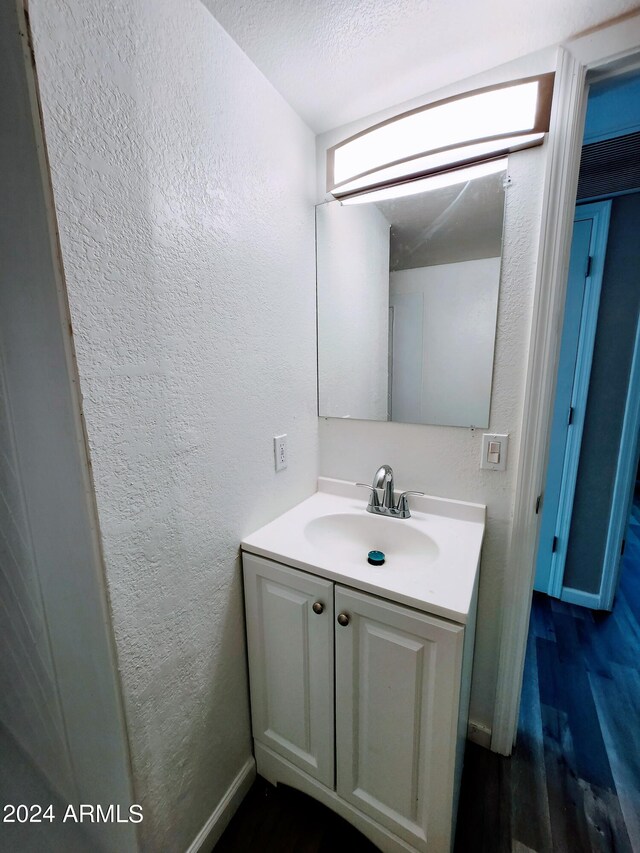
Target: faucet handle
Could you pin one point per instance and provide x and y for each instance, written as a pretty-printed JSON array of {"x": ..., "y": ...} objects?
[
  {"x": 374, "y": 500},
  {"x": 403, "y": 504}
]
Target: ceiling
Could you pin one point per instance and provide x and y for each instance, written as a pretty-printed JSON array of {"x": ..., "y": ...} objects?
[{"x": 336, "y": 61}]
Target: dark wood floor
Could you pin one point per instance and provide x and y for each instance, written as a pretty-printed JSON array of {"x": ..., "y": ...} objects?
[
  {"x": 281, "y": 820},
  {"x": 573, "y": 782}
]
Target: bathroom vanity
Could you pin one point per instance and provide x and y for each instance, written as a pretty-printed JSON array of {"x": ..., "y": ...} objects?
[{"x": 360, "y": 674}]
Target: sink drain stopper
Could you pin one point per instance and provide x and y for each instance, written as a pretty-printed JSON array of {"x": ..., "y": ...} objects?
[{"x": 376, "y": 558}]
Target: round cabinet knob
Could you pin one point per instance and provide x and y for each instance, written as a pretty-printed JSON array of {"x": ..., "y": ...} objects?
[
  {"x": 318, "y": 607},
  {"x": 344, "y": 619}
]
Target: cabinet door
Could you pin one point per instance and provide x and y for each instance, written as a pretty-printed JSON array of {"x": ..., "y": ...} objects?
[
  {"x": 291, "y": 664},
  {"x": 397, "y": 696}
]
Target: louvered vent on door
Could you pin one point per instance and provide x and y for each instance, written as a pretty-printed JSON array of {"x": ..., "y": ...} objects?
[{"x": 611, "y": 166}]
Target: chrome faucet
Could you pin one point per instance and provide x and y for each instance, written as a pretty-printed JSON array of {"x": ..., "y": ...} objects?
[{"x": 383, "y": 479}]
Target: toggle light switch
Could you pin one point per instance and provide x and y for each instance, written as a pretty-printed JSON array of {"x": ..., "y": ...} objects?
[{"x": 494, "y": 452}]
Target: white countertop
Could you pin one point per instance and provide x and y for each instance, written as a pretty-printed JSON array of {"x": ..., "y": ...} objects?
[{"x": 442, "y": 583}]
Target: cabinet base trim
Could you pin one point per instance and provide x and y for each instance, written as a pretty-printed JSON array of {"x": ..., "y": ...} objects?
[
  {"x": 277, "y": 769},
  {"x": 225, "y": 810}
]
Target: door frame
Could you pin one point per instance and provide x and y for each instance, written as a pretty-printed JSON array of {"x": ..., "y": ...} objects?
[
  {"x": 600, "y": 213},
  {"x": 604, "y": 52},
  {"x": 624, "y": 482}
]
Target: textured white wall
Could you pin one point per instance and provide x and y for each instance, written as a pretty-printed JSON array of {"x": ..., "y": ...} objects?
[
  {"x": 353, "y": 311},
  {"x": 184, "y": 191},
  {"x": 445, "y": 461}
]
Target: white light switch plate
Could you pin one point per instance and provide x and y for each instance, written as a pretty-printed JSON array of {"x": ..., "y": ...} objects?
[{"x": 488, "y": 438}]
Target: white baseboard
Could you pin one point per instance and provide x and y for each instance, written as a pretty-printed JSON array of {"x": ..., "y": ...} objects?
[
  {"x": 225, "y": 810},
  {"x": 578, "y": 596},
  {"x": 479, "y": 734}
]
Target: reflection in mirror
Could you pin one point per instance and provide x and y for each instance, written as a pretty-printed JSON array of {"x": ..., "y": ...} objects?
[{"x": 407, "y": 305}]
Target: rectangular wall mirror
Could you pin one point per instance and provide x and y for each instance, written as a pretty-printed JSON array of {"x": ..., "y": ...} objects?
[{"x": 407, "y": 304}]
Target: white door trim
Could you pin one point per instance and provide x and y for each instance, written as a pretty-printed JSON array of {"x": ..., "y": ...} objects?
[
  {"x": 599, "y": 212},
  {"x": 608, "y": 46},
  {"x": 561, "y": 182}
]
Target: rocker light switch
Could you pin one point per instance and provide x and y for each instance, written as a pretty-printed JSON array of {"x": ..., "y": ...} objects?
[{"x": 494, "y": 452}]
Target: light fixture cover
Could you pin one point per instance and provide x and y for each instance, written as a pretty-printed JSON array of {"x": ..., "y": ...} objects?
[
  {"x": 458, "y": 131},
  {"x": 434, "y": 181}
]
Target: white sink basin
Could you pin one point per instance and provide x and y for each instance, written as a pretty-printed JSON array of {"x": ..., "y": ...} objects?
[
  {"x": 349, "y": 536},
  {"x": 431, "y": 561}
]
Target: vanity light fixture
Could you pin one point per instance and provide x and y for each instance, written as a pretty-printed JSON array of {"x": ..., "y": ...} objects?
[
  {"x": 431, "y": 182},
  {"x": 450, "y": 134}
]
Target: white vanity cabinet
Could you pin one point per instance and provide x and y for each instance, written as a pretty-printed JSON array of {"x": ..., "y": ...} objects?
[{"x": 384, "y": 747}]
